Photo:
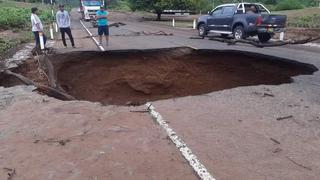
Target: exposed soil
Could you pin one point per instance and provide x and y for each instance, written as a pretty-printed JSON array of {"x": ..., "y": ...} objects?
[
  {"x": 301, "y": 33},
  {"x": 46, "y": 139},
  {"x": 29, "y": 69},
  {"x": 135, "y": 77}
]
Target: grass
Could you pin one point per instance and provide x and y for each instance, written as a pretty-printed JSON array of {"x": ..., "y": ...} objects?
[
  {"x": 5, "y": 45},
  {"x": 300, "y": 12},
  {"x": 308, "y": 17},
  {"x": 15, "y": 16},
  {"x": 120, "y": 5}
]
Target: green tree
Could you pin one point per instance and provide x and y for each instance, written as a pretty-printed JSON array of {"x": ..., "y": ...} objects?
[{"x": 158, "y": 6}]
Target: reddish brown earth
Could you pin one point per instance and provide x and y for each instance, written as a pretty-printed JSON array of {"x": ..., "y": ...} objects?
[
  {"x": 30, "y": 69},
  {"x": 302, "y": 33},
  {"x": 135, "y": 77},
  {"x": 44, "y": 138}
]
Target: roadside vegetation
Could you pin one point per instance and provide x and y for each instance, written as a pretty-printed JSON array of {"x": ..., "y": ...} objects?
[
  {"x": 15, "y": 27},
  {"x": 301, "y": 13},
  {"x": 201, "y": 6},
  {"x": 120, "y": 5},
  {"x": 305, "y": 18},
  {"x": 312, "y": 21}
]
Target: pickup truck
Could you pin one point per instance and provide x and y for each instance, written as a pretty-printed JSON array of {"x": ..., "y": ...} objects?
[{"x": 241, "y": 20}]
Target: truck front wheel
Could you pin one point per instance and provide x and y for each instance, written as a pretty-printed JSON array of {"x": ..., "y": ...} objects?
[
  {"x": 264, "y": 37},
  {"x": 202, "y": 30},
  {"x": 238, "y": 32}
]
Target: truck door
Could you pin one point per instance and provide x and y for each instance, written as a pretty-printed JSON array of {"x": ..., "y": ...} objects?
[
  {"x": 226, "y": 18},
  {"x": 214, "y": 18}
]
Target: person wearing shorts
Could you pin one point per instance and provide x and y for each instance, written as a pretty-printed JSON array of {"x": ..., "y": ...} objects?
[{"x": 103, "y": 27}]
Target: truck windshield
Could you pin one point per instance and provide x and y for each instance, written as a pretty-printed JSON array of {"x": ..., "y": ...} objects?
[{"x": 91, "y": 3}]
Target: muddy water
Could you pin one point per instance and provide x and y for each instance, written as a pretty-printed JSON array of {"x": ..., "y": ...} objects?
[{"x": 135, "y": 77}]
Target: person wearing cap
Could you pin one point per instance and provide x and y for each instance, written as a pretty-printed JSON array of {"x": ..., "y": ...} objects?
[
  {"x": 64, "y": 23},
  {"x": 37, "y": 27},
  {"x": 103, "y": 28}
]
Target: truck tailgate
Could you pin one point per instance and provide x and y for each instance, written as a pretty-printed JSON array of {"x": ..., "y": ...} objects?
[{"x": 273, "y": 20}]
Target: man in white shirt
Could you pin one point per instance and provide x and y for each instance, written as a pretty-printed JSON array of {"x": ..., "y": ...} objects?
[
  {"x": 37, "y": 27},
  {"x": 63, "y": 21}
]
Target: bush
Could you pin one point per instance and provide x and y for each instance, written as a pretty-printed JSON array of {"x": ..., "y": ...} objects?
[
  {"x": 5, "y": 45},
  {"x": 305, "y": 21},
  {"x": 14, "y": 17},
  {"x": 289, "y": 5},
  {"x": 271, "y": 7},
  {"x": 120, "y": 5}
]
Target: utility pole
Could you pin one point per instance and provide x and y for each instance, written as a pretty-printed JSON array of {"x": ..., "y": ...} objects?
[{"x": 212, "y": 4}]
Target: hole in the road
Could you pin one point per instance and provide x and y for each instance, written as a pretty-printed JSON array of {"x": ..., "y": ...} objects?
[{"x": 135, "y": 77}]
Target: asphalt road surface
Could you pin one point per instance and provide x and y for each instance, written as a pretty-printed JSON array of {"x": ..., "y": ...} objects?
[{"x": 235, "y": 133}]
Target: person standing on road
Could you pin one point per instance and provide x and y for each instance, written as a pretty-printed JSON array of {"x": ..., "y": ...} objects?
[
  {"x": 64, "y": 23},
  {"x": 103, "y": 27},
  {"x": 37, "y": 27}
]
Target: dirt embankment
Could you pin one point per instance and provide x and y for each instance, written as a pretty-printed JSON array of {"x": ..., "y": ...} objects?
[
  {"x": 29, "y": 69},
  {"x": 301, "y": 33}
]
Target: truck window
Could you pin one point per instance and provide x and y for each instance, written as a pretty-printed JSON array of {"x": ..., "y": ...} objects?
[
  {"x": 251, "y": 8},
  {"x": 240, "y": 9},
  {"x": 91, "y": 3},
  {"x": 262, "y": 10},
  {"x": 228, "y": 10},
  {"x": 217, "y": 11}
]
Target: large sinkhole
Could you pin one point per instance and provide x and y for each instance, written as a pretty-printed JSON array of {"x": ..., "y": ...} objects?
[{"x": 135, "y": 77}]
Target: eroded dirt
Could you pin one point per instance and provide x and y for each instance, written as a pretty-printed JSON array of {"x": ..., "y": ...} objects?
[
  {"x": 29, "y": 69},
  {"x": 302, "y": 33},
  {"x": 135, "y": 77}
]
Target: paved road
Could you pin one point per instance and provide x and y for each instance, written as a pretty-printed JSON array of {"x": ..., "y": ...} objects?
[
  {"x": 125, "y": 37},
  {"x": 233, "y": 132}
]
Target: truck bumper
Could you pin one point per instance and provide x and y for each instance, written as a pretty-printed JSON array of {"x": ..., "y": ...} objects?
[
  {"x": 89, "y": 16},
  {"x": 253, "y": 29},
  {"x": 269, "y": 30}
]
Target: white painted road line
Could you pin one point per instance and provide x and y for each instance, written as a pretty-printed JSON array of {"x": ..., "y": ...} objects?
[
  {"x": 197, "y": 166},
  {"x": 312, "y": 45},
  {"x": 94, "y": 39}
]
